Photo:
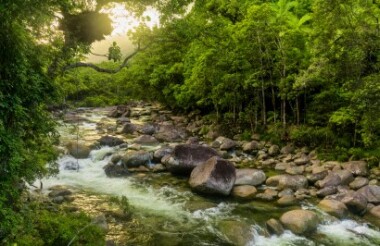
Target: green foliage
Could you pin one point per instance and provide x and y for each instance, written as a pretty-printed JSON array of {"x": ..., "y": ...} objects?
[{"x": 114, "y": 52}]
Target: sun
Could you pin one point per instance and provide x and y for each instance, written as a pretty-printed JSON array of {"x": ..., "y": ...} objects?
[{"x": 123, "y": 21}]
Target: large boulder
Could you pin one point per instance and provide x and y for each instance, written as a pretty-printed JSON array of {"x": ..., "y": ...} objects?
[
  {"x": 345, "y": 176},
  {"x": 248, "y": 176},
  {"x": 137, "y": 158},
  {"x": 300, "y": 221},
  {"x": 358, "y": 183},
  {"x": 236, "y": 232},
  {"x": 146, "y": 140},
  {"x": 333, "y": 207},
  {"x": 147, "y": 129},
  {"x": 115, "y": 170},
  {"x": 332, "y": 179},
  {"x": 78, "y": 150},
  {"x": 110, "y": 141},
  {"x": 186, "y": 157},
  {"x": 375, "y": 213},
  {"x": 355, "y": 202},
  {"x": 215, "y": 176},
  {"x": 129, "y": 128},
  {"x": 274, "y": 226},
  {"x": 170, "y": 133},
  {"x": 371, "y": 193},
  {"x": 284, "y": 181},
  {"x": 358, "y": 168}
]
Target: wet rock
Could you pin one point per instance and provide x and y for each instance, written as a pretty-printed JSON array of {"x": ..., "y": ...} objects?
[
  {"x": 248, "y": 176},
  {"x": 78, "y": 150},
  {"x": 136, "y": 159},
  {"x": 122, "y": 120},
  {"x": 375, "y": 212},
  {"x": 186, "y": 157},
  {"x": 287, "y": 200},
  {"x": 312, "y": 178},
  {"x": 286, "y": 192},
  {"x": 355, "y": 202},
  {"x": 358, "y": 183},
  {"x": 236, "y": 232},
  {"x": 73, "y": 118},
  {"x": 371, "y": 193},
  {"x": 129, "y": 128},
  {"x": 333, "y": 207},
  {"x": 121, "y": 110},
  {"x": 215, "y": 176},
  {"x": 273, "y": 150},
  {"x": 71, "y": 165},
  {"x": 284, "y": 181},
  {"x": 358, "y": 168},
  {"x": 251, "y": 146},
  {"x": 295, "y": 170},
  {"x": 300, "y": 221},
  {"x": 158, "y": 168},
  {"x": 146, "y": 140},
  {"x": 147, "y": 129},
  {"x": 115, "y": 170},
  {"x": 160, "y": 153},
  {"x": 274, "y": 227},
  {"x": 267, "y": 195},
  {"x": 245, "y": 192},
  {"x": 329, "y": 190},
  {"x": 110, "y": 141},
  {"x": 332, "y": 179},
  {"x": 169, "y": 133},
  {"x": 60, "y": 192}
]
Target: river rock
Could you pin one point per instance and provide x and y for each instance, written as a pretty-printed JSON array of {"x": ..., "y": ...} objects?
[
  {"x": 312, "y": 178},
  {"x": 60, "y": 192},
  {"x": 137, "y": 158},
  {"x": 160, "y": 153},
  {"x": 110, "y": 141},
  {"x": 169, "y": 133},
  {"x": 300, "y": 221},
  {"x": 119, "y": 111},
  {"x": 267, "y": 195},
  {"x": 186, "y": 157},
  {"x": 375, "y": 212},
  {"x": 273, "y": 150},
  {"x": 326, "y": 191},
  {"x": 129, "y": 128},
  {"x": 227, "y": 144},
  {"x": 215, "y": 176},
  {"x": 146, "y": 140},
  {"x": 251, "y": 146},
  {"x": 274, "y": 227},
  {"x": 248, "y": 176},
  {"x": 355, "y": 202},
  {"x": 78, "y": 150},
  {"x": 245, "y": 192},
  {"x": 122, "y": 120},
  {"x": 288, "y": 149},
  {"x": 304, "y": 159},
  {"x": 73, "y": 118},
  {"x": 345, "y": 176},
  {"x": 358, "y": 183},
  {"x": 333, "y": 207},
  {"x": 284, "y": 181},
  {"x": 147, "y": 129},
  {"x": 287, "y": 200},
  {"x": 358, "y": 168},
  {"x": 71, "y": 165},
  {"x": 371, "y": 193},
  {"x": 281, "y": 166},
  {"x": 332, "y": 179},
  {"x": 115, "y": 170},
  {"x": 295, "y": 170}
]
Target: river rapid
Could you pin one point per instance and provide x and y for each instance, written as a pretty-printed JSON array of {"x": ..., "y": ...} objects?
[{"x": 169, "y": 213}]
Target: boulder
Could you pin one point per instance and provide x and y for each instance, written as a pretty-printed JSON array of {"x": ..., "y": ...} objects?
[
  {"x": 332, "y": 179},
  {"x": 110, "y": 141},
  {"x": 122, "y": 120},
  {"x": 121, "y": 110},
  {"x": 345, "y": 176},
  {"x": 215, "y": 176},
  {"x": 236, "y": 232},
  {"x": 288, "y": 149},
  {"x": 304, "y": 159},
  {"x": 137, "y": 158},
  {"x": 358, "y": 168},
  {"x": 371, "y": 193},
  {"x": 267, "y": 195},
  {"x": 248, "y": 176},
  {"x": 329, "y": 190},
  {"x": 358, "y": 183},
  {"x": 375, "y": 212},
  {"x": 295, "y": 170},
  {"x": 169, "y": 133},
  {"x": 284, "y": 181},
  {"x": 160, "y": 153},
  {"x": 147, "y": 129},
  {"x": 300, "y": 221},
  {"x": 129, "y": 128},
  {"x": 146, "y": 140},
  {"x": 251, "y": 146},
  {"x": 273, "y": 150},
  {"x": 186, "y": 157},
  {"x": 78, "y": 150},
  {"x": 355, "y": 202},
  {"x": 245, "y": 192},
  {"x": 227, "y": 144},
  {"x": 274, "y": 227},
  {"x": 312, "y": 178},
  {"x": 333, "y": 207},
  {"x": 287, "y": 200},
  {"x": 115, "y": 170},
  {"x": 71, "y": 165}
]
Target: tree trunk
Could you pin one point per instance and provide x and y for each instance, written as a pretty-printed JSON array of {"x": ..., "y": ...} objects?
[{"x": 297, "y": 111}]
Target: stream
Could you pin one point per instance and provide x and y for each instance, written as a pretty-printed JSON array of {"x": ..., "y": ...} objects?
[{"x": 171, "y": 214}]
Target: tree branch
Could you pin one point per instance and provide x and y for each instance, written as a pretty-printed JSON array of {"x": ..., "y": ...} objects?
[{"x": 106, "y": 70}]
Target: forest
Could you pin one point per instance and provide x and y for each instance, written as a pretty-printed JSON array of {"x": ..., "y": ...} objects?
[{"x": 302, "y": 72}]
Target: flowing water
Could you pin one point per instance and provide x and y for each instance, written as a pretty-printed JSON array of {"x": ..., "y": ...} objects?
[{"x": 173, "y": 215}]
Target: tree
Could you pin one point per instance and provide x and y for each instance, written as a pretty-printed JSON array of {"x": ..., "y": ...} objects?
[{"x": 114, "y": 52}]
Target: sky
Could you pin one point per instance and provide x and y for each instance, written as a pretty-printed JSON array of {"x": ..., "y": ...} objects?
[{"x": 122, "y": 22}]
